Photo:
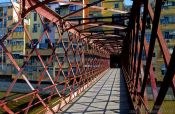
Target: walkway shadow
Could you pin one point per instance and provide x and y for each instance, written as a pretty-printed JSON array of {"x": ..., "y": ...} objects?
[{"x": 107, "y": 96}]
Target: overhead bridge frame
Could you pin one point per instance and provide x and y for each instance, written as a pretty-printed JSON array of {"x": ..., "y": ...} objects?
[{"x": 89, "y": 59}]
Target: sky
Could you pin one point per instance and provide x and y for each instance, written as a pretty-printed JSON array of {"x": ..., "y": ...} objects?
[
  {"x": 127, "y": 2},
  {"x": 4, "y": 1}
]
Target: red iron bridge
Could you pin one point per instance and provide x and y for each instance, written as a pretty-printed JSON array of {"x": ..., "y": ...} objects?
[{"x": 105, "y": 65}]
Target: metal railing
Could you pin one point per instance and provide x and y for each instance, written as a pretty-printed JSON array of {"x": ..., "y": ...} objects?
[
  {"x": 140, "y": 73},
  {"x": 23, "y": 94}
]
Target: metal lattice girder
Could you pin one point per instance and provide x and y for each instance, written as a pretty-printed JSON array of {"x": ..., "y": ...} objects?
[
  {"x": 85, "y": 62},
  {"x": 76, "y": 3},
  {"x": 85, "y": 54},
  {"x": 39, "y": 4},
  {"x": 138, "y": 76}
]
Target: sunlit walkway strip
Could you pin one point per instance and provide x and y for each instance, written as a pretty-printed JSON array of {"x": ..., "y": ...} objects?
[{"x": 107, "y": 96}]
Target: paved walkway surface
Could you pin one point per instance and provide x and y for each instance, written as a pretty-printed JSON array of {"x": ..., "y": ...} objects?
[{"x": 107, "y": 96}]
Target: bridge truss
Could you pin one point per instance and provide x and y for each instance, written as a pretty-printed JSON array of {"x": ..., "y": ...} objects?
[{"x": 93, "y": 50}]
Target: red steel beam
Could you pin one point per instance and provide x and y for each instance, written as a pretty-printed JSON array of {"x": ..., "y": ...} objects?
[
  {"x": 152, "y": 43},
  {"x": 163, "y": 45},
  {"x": 165, "y": 84},
  {"x": 101, "y": 59},
  {"x": 73, "y": 3}
]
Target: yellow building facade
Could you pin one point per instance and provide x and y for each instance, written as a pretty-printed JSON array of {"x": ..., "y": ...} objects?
[{"x": 167, "y": 26}]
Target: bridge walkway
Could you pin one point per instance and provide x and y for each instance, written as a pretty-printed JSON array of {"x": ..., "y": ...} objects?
[{"x": 107, "y": 96}]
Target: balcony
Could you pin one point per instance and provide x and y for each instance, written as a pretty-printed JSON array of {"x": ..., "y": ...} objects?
[
  {"x": 43, "y": 52},
  {"x": 59, "y": 50},
  {"x": 17, "y": 48}
]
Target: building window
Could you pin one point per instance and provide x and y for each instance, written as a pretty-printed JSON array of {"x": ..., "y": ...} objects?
[
  {"x": 5, "y": 11},
  {"x": 116, "y": 5},
  {"x": 148, "y": 37},
  {"x": 9, "y": 17},
  {"x": 72, "y": 8},
  {"x": 60, "y": 45},
  {"x": 171, "y": 19},
  {"x": 16, "y": 56},
  {"x": 169, "y": 3},
  {"x": 35, "y": 27},
  {"x": 74, "y": 46},
  {"x": 5, "y": 23},
  {"x": 57, "y": 10},
  {"x": 162, "y": 21},
  {"x": 17, "y": 42},
  {"x": 43, "y": 46},
  {"x": 1, "y": 24},
  {"x": 163, "y": 69},
  {"x": 9, "y": 7},
  {"x": 61, "y": 59},
  {"x": 8, "y": 42},
  {"x": 148, "y": 23},
  {"x": 47, "y": 27},
  {"x": 173, "y": 3},
  {"x": 166, "y": 35},
  {"x": 35, "y": 17},
  {"x": 154, "y": 68},
  {"x": 166, "y": 20},
  {"x": 66, "y": 44},
  {"x": 116, "y": 18},
  {"x": 65, "y": 73},
  {"x": 19, "y": 29},
  {"x": 47, "y": 41}
]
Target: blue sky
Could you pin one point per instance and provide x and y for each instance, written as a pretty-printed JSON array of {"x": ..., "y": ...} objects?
[
  {"x": 4, "y": 1},
  {"x": 128, "y": 2}
]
